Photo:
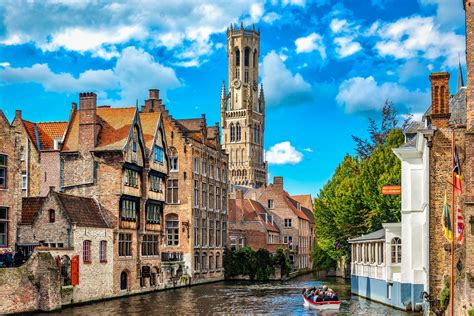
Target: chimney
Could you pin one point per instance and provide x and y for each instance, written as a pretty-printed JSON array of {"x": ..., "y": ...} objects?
[
  {"x": 469, "y": 8},
  {"x": 88, "y": 125},
  {"x": 153, "y": 94},
  {"x": 153, "y": 103},
  {"x": 440, "y": 98},
  {"x": 18, "y": 114},
  {"x": 278, "y": 183}
]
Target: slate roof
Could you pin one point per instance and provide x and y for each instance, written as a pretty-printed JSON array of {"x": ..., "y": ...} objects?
[
  {"x": 457, "y": 107},
  {"x": 377, "y": 235},
  {"x": 83, "y": 212},
  {"x": 116, "y": 124}
]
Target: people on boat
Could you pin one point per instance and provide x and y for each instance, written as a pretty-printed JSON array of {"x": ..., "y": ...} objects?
[{"x": 324, "y": 294}]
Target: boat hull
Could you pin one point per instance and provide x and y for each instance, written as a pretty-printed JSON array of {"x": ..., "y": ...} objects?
[{"x": 330, "y": 305}]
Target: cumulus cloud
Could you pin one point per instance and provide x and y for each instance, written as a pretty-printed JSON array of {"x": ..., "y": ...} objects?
[
  {"x": 103, "y": 28},
  {"x": 311, "y": 43},
  {"x": 309, "y": 150},
  {"x": 365, "y": 94},
  {"x": 282, "y": 86},
  {"x": 337, "y": 25},
  {"x": 346, "y": 46},
  {"x": 447, "y": 14},
  {"x": 134, "y": 73},
  {"x": 282, "y": 154},
  {"x": 419, "y": 36}
]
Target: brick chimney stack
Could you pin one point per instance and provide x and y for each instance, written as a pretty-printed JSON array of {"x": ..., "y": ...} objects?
[
  {"x": 88, "y": 125},
  {"x": 469, "y": 8},
  {"x": 153, "y": 103},
  {"x": 18, "y": 114},
  {"x": 440, "y": 98},
  {"x": 278, "y": 183}
]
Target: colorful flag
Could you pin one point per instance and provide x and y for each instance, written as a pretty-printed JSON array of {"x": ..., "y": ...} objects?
[
  {"x": 447, "y": 228},
  {"x": 457, "y": 173},
  {"x": 460, "y": 226}
]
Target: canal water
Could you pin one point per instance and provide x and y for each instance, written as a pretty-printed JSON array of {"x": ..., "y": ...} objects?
[{"x": 276, "y": 298}]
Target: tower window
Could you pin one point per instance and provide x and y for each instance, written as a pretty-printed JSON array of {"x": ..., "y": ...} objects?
[
  {"x": 246, "y": 75},
  {"x": 232, "y": 133},
  {"x": 237, "y": 57},
  {"x": 246, "y": 57},
  {"x": 237, "y": 132},
  {"x": 255, "y": 61}
]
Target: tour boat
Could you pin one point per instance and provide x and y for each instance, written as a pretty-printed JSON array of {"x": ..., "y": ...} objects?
[{"x": 321, "y": 305}]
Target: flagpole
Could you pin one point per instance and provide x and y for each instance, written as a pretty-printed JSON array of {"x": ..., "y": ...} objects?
[{"x": 451, "y": 287}]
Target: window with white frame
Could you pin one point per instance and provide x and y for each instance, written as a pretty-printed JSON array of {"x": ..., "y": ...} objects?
[
  {"x": 156, "y": 183},
  {"x": 196, "y": 165},
  {"x": 86, "y": 251},
  {"x": 3, "y": 172},
  {"x": 158, "y": 154},
  {"x": 211, "y": 196},
  {"x": 196, "y": 194},
  {"x": 153, "y": 213},
  {"x": 396, "y": 245},
  {"x": 103, "y": 251},
  {"x": 24, "y": 181},
  {"x": 270, "y": 204},
  {"x": 204, "y": 195},
  {"x": 172, "y": 230},
  {"x": 204, "y": 167},
  {"x": 125, "y": 245},
  {"x": 174, "y": 164},
  {"x": 287, "y": 222}
]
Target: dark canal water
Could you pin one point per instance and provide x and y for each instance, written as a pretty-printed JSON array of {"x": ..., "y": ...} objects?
[{"x": 276, "y": 298}]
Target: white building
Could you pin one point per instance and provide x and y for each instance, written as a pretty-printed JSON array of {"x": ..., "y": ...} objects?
[{"x": 391, "y": 265}]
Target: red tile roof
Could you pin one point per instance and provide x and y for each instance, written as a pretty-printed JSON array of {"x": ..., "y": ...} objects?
[
  {"x": 149, "y": 120},
  {"x": 47, "y": 132},
  {"x": 29, "y": 208},
  {"x": 302, "y": 213},
  {"x": 115, "y": 128},
  {"x": 304, "y": 199},
  {"x": 81, "y": 211},
  {"x": 251, "y": 211}
]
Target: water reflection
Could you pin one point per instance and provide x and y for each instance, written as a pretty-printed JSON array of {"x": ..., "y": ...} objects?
[{"x": 281, "y": 298}]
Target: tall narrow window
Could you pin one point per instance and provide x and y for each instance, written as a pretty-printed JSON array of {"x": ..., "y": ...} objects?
[
  {"x": 125, "y": 245},
  {"x": 232, "y": 132},
  {"x": 196, "y": 194},
  {"x": 174, "y": 164},
  {"x": 172, "y": 194},
  {"x": 130, "y": 178},
  {"x": 255, "y": 59},
  {"x": 204, "y": 196},
  {"x": 172, "y": 230},
  {"x": 153, "y": 213},
  {"x": 150, "y": 245},
  {"x": 86, "y": 251},
  {"x": 396, "y": 244},
  {"x": 196, "y": 228},
  {"x": 103, "y": 251},
  {"x": 196, "y": 165},
  {"x": 211, "y": 233},
  {"x": 3, "y": 226},
  {"x": 237, "y": 132},
  {"x": 237, "y": 57},
  {"x": 3, "y": 172},
  {"x": 224, "y": 200},
  {"x": 218, "y": 259},
  {"x": 196, "y": 261},
  {"x": 204, "y": 232},
  {"x": 129, "y": 210},
  {"x": 218, "y": 199},
  {"x": 211, "y": 196},
  {"x": 218, "y": 233},
  {"x": 52, "y": 216},
  {"x": 204, "y": 167},
  {"x": 24, "y": 181},
  {"x": 156, "y": 183},
  {"x": 247, "y": 57}
]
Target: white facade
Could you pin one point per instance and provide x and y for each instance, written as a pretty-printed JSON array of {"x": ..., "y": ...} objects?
[{"x": 414, "y": 156}]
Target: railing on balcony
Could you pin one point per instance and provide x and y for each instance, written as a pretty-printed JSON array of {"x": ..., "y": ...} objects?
[{"x": 171, "y": 256}]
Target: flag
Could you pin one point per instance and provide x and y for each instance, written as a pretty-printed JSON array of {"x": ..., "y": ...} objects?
[
  {"x": 460, "y": 226},
  {"x": 447, "y": 228},
  {"x": 457, "y": 173}
]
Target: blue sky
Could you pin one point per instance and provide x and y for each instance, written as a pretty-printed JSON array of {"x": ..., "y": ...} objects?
[{"x": 326, "y": 65}]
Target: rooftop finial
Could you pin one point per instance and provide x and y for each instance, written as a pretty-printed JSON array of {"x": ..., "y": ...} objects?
[
  {"x": 241, "y": 25},
  {"x": 253, "y": 27},
  {"x": 460, "y": 77}
]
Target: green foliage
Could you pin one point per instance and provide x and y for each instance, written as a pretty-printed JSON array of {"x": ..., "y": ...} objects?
[
  {"x": 258, "y": 265},
  {"x": 351, "y": 203},
  {"x": 444, "y": 296},
  {"x": 321, "y": 259},
  {"x": 282, "y": 260},
  {"x": 470, "y": 312}
]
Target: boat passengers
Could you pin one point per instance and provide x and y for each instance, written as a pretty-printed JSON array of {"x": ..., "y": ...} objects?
[{"x": 323, "y": 294}]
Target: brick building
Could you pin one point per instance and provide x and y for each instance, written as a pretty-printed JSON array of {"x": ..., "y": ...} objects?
[
  {"x": 250, "y": 224},
  {"x": 296, "y": 222},
  {"x": 74, "y": 230},
  {"x": 197, "y": 193},
  {"x": 119, "y": 158}
]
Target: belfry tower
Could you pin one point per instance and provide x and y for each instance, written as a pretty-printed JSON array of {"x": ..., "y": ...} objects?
[{"x": 243, "y": 110}]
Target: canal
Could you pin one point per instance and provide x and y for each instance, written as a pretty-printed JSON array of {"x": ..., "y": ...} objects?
[{"x": 281, "y": 298}]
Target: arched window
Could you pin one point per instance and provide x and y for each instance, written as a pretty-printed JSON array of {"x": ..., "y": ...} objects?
[
  {"x": 232, "y": 132},
  {"x": 237, "y": 57},
  {"x": 239, "y": 173},
  {"x": 196, "y": 261},
  {"x": 52, "y": 216},
  {"x": 396, "y": 245},
  {"x": 247, "y": 57},
  {"x": 86, "y": 251},
  {"x": 124, "y": 280},
  {"x": 233, "y": 173},
  {"x": 255, "y": 133},
  {"x": 172, "y": 230},
  {"x": 255, "y": 61},
  {"x": 173, "y": 153},
  {"x": 238, "y": 132}
]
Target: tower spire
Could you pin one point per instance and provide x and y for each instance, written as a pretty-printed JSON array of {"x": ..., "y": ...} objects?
[{"x": 460, "y": 77}]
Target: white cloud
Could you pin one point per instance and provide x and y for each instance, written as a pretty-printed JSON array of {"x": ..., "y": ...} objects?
[
  {"x": 300, "y": 3},
  {"x": 5, "y": 64},
  {"x": 282, "y": 154},
  {"x": 419, "y": 36},
  {"x": 346, "y": 46},
  {"x": 311, "y": 43},
  {"x": 281, "y": 86},
  {"x": 359, "y": 94},
  {"x": 271, "y": 17},
  {"x": 103, "y": 28},
  {"x": 134, "y": 73},
  {"x": 337, "y": 25},
  {"x": 449, "y": 15},
  {"x": 309, "y": 150}
]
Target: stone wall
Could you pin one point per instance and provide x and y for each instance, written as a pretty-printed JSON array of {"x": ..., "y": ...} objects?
[{"x": 33, "y": 286}]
